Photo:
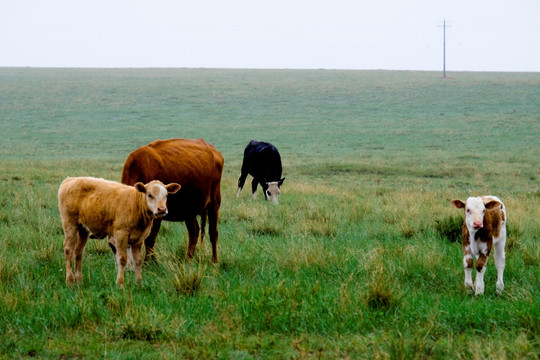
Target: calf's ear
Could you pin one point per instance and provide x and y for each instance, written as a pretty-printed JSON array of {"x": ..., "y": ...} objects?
[
  {"x": 280, "y": 182},
  {"x": 173, "y": 188},
  {"x": 458, "y": 203},
  {"x": 491, "y": 204},
  {"x": 140, "y": 187}
]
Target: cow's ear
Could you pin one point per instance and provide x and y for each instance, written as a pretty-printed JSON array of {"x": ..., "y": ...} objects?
[
  {"x": 173, "y": 188},
  {"x": 458, "y": 203},
  {"x": 491, "y": 204},
  {"x": 280, "y": 182},
  {"x": 140, "y": 187}
]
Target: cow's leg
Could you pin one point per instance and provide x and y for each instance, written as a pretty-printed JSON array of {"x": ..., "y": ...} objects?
[
  {"x": 500, "y": 257},
  {"x": 241, "y": 181},
  {"x": 150, "y": 241},
  {"x": 213, "y": 215},
  {"x": 193, "y": 233},
  {"x": 204, "y": 216},
  {"x": 480, "y": 271},
  {"x": 479, "y": 282},
  {"x": 254, "y": 184},
  {"x": 82, "y": 234},
  {"x": 484, "y": 248},
  {"x": 121, "y": 240},
  {"x": 70, "y": 242},
  {"x": 136, "y": 251},
  {"x": 468, "y": 265}
]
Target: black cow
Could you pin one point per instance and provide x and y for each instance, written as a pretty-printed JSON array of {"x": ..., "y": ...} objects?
[{"x": 263, "y": 162}]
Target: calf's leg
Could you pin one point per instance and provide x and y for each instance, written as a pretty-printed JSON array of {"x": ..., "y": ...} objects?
[
  {"x": 136, "y": 251},
  {"x": 484, "y": 248},
  {"x": 121, "y": 240},
  {"x": 150, "y": 241},
  {"x": 480, "y": 270},
  {"x": 70, "y": 242},
  {"x": 468, "y": 265},
  {"x": 79, "y": 251},
  {"x": 500, "y": 257}
]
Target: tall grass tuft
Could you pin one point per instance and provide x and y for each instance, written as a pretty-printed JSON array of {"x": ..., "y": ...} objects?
[
  {"x": 381, "y": 287},
  {"x": 187, "y": 277},
  {"x": 132, "y": 330},
  {"x": 450, "y": 228},
  {"x": 380, "y": 297},
  {"x": 143, "y": 326}
]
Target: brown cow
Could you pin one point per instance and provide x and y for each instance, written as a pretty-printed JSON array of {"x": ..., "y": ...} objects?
[
  {"x": 194, "y": 164},
  {"x": 106, "y": 208}
]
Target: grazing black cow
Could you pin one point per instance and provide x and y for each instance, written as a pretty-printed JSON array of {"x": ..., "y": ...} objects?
[{"x": 263, "y": 162}]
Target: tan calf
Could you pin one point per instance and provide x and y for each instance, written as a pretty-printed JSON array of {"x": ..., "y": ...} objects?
[{"x": 105, "y": 208}]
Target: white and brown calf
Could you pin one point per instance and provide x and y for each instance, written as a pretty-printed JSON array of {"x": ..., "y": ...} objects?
[
  {"x": 484, "y": 228},
  {"x": 105, "y": 208}
]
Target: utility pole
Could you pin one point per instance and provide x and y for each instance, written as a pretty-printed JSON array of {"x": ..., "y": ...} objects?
[{"x": 444, "y": 48}]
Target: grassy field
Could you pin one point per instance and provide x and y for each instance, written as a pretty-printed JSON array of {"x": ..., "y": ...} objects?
[{"x": 359, "y": 259}]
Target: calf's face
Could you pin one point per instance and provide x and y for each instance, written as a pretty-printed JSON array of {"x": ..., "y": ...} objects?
[
  {"x": 475, "y": 208},
  {"x": 156, "y": 195}
]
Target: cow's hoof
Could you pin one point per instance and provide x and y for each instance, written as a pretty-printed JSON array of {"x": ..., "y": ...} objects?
[
  {"x": 479, "y": 290},
  {"x": 500, "y": 288}
]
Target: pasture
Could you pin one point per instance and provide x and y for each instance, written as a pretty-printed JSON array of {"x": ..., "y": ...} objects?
[{"x": 359, "y": 259}]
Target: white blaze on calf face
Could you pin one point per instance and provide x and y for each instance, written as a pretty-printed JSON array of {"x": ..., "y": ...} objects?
[
  {"x": 156, "y": 196},
  {"x": 474, "y": 213},
  {"x": 273, "y": 191}
]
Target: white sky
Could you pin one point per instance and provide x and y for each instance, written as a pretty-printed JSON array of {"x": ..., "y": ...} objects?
[{"x": 484, "y": 35}]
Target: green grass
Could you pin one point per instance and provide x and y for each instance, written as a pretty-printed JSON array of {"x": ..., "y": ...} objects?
[{"x": 359, "y": 259}]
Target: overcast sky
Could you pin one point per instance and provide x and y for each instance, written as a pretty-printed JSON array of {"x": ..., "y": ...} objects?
[{"x": 484, "y": 35}]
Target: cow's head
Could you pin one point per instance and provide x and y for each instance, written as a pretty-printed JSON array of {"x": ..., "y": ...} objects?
[
  {"x": 475, "y": 208},
  {"x": 156, "y": 195},
  {"x": 272, "y": 192}
]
